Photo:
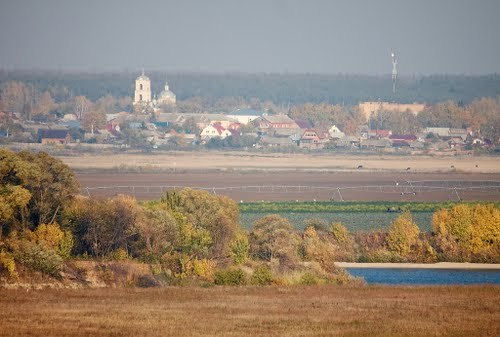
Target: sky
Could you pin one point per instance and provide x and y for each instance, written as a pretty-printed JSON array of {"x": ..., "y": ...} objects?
[{"x": 278, "y": 36}]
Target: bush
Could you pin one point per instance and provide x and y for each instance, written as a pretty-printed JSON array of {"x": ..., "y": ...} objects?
[
  {"x": 39, "y": 258},
  {"x": 8, "y": 264},
  {"x": 240, "y": 248},
  {"x": 230, "y": 276},
  {"x": 262, "y": 276},
  {"x": 204, "y": 268},
  {"x": 309, "y": 279},
  {"x": 146, "y": 281},
  {"x": 54, "y": 238},
  {"x": 119, "y": 254}
]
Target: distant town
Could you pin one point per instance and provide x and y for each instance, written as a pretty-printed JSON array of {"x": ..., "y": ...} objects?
[{"x": 151, "y": 122}]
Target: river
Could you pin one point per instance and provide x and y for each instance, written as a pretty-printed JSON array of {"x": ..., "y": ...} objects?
[{"x": 397, "y": 276}]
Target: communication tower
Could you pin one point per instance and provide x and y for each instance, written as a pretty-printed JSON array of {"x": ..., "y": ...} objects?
[{"x": 394, "y": 72}]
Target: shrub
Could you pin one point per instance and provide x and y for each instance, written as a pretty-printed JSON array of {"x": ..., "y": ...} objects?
[
  {"x": 340, "y": 233},
  {"x": 262, "y": 276},
  {"x": 54, "y": 238},
  {"x": 39, "y": 258},
  {"x": 240, "y": 248},
  {"x": 309, "y": 278},
  {"x": 230, "y": 276},
  {"x": 204, "y": 268},
  {"x": 119, "y": 254},
  {"x": 146, "y": 281},
  {"x": 8, "y": 264}
]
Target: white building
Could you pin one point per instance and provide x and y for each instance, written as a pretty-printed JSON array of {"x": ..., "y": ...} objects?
[
  {"x": 142, "y": 93},
  {"x": 166, "y": 97}
]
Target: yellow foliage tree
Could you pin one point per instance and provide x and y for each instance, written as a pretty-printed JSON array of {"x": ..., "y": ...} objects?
[
  {"x": 466, "y": 230},
  {"x": 403, "y": 234},
  {"x": 54, "y": 238},
  {"x": 318, "y": 250}
]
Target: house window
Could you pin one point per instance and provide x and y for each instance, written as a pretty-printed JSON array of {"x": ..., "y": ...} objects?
[
  {"x": 140, "y": 86},
  {"x": 140, "y": 97}
]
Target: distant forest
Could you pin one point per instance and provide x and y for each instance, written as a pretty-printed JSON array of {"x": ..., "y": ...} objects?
[{"x": 282, "y": 89}]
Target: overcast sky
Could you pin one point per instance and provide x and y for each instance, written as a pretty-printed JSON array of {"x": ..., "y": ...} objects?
[{"x": 320, "y": 36}]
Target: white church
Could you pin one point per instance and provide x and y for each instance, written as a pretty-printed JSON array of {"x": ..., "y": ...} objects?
[{"x": 143, "y": 96}]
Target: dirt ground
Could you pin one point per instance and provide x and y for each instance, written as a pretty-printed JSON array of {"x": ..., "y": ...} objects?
[
  {"x": 252, "y": 161},
  {"x": 290, "y": 177},
  {"x": 302, "y": 186}
]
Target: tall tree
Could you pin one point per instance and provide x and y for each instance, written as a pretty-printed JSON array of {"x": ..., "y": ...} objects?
[
  {"x": 43, "y": 105},
  {"x": 93, "y": 120}
]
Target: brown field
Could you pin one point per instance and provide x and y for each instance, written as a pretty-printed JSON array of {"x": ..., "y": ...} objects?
[
  {"x": 252, "y": 161},
  {"x": 277, "y": 177},
  {"x": 269, "y": 186},
  {"x": 252, "y": 311}
]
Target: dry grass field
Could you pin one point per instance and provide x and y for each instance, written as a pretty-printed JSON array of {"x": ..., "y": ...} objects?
[{"x": 252, "y": 311}]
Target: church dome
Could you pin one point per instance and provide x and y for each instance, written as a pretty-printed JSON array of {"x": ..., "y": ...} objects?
[{"x": 166, "y": 96}]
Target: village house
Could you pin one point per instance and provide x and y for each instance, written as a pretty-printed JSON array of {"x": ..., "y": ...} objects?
[
  {"x": 312, "y": 139},
  {"x": 379, "y": 134},
  {"x": 219, "y": 131},
  {"x": 447, "y": 133},
  {"x": 245, "y": 116},
  {"x": 402, "y": 139},
  {"x": 55, "y": 137},
  {"x": 335, "y": 132},
  {"x": 277, "y": 122}
]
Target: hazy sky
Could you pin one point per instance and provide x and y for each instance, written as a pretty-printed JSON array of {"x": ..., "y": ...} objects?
[{"x": 321, "y": 36}]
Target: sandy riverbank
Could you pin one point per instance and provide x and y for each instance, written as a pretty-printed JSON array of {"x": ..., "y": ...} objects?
[{"x": 440, "y": 265}]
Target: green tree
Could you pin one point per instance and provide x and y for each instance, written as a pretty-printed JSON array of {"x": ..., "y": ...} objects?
[
  {"x": 219, "y": 215},
  {"x": 50, "y": 183}
]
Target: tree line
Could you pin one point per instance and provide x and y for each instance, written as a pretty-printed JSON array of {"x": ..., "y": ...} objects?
[
  {"x": 193, "y": 235},
  {"x": 282, "y": 89}
]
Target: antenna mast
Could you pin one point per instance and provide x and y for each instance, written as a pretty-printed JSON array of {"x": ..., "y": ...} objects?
[{"x": 394, "y": 72}]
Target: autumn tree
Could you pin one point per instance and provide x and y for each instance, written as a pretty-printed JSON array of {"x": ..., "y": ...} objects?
[
  {"x": 273, "y": 237},
  {"x": 317, "y": 249},
  {"x": 190, "y": 126},
  {"x": 51, "y": 183},
  {"x": 81, "y": 105},
  {"x": 44, "y": 105},
  {"x": 217, "y": 215},
  {"x": 402, "y": 235},
  {"x": 34, "y": 189},
  {"x": 445, "y": 114},
  {"x": 18, "y": 97},
  {"x": 101, "y": 226},
  {"x": 468, "y": 231},
  {"x": 93, "y": 120},
  {"x": 484, "y": 118}
]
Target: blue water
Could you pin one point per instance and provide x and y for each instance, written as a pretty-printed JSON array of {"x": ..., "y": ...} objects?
[{"x": 426, "y": 276}]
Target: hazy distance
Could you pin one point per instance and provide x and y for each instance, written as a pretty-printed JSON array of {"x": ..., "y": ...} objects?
[{"x": 319, "y": 36}]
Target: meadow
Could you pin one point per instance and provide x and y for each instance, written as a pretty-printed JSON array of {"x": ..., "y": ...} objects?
[
  {"x": 355, "y": 215},
  {"x": 353, "y": 221},
  {"x": 253, "y": 311}
]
